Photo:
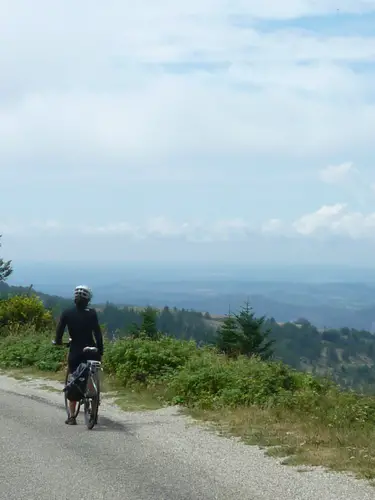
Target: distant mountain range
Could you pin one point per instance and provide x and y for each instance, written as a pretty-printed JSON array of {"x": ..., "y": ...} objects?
[
  {"x": 326, "y": 305},
  {"x": 330, "y": 305}
]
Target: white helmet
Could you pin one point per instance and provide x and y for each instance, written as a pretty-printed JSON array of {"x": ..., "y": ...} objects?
[{"x": 84, "y": 292}]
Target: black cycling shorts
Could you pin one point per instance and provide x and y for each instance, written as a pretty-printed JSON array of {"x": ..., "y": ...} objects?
[{"x": 76, "y": 358}]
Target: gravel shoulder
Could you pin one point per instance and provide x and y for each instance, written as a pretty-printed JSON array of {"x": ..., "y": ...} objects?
[{"x": 158, "y": 455}]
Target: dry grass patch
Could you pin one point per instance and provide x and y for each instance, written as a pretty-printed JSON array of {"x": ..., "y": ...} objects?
[
  {"x": 301, "y": 441},
  {"x": 133, "y": 400},
  {"x": 32, "y": 372}
]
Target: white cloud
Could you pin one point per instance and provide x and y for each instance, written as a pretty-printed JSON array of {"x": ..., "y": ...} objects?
[
  {"x": 334, "y": 174},
  {"x": 197, "y": 94},
  {"x": 336, "y": 220},
  {"x": 161, "y": 227},
  {"x": 120, "y": 228},
  {"x": 353, "y": 183},
  {"x": 329, "y": 220},
  {"x": 157, "y": 227},
  {"x": 273, "y": 226},
  {"x": 92, "y": 85},
  {"x": 17, "y": 227},
  {"x": 322, "y": 218}
]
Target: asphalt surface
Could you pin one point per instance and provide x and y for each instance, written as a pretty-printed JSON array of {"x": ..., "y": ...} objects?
[{"x": 157, "y": 455}]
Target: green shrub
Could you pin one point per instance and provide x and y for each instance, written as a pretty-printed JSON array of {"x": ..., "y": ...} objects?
[
  {"x": 146, "y": 360},
  {"x": 19, "y": 311},
  {"x": 20, "y": 353},
  {"x": 31, "y": 350},
  {"x": 50, "y": 358},
  {"x": 213, "y": 380}
]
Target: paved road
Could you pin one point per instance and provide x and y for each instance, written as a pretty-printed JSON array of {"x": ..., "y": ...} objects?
[{"x": 139, "y": 456}]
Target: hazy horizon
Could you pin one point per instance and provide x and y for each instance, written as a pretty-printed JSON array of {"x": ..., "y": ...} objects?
[
  {"x": 106, "y": 273},
  {"x": 329, "y": 296}
]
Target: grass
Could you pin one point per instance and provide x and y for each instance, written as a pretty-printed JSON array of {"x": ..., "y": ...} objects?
[
  {"x": 49, "y": 388},
  {"x": 299, "y": 441},
  {"x": 134, "y": 398},
  {"x": 33, "y": 372}
]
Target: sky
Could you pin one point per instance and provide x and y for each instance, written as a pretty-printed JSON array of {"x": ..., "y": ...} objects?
[{"x": 188, "y": 131}]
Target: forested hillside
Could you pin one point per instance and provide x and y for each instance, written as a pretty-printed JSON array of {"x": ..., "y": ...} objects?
[
  {"x": 346, "y": 355},
  {"x": 180, "y": 323}
]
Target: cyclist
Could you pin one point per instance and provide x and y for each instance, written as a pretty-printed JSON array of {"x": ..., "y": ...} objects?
[{"x": 83, "y": 326}]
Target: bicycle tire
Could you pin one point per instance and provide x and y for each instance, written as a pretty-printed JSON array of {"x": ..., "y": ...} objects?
[
  {"x": 91, "y": 408},
  {"x": 66, "y": 400},
  {"x": 98, "y": 399}
]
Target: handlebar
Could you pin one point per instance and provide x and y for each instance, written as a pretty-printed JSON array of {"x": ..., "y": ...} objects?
[{"x": 63, "y": 344}]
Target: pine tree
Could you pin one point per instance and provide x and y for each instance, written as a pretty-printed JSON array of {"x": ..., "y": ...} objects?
[
  {"x": 255, "y": 336},
  {"x": 229, "y": 337},
  {"x": 5, "y": 268},
  {"x": 149, "y": 327},
  {"x": 133, "y": 330},
  {"x": 245, "y": 334}
]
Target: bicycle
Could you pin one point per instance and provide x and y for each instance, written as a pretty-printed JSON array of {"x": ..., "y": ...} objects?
[
  {"x": 91, "y": 400},
  {"x": 91, "y": 397}
]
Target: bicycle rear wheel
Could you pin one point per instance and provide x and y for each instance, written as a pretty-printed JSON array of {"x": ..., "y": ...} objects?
[
  {"x": 91, "y": 407},
  {"x": 91, "y": 412},
  {"x": 66, "y": 400}
]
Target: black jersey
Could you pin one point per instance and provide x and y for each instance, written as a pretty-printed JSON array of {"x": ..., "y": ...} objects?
[{"x": 83, "y": 327}]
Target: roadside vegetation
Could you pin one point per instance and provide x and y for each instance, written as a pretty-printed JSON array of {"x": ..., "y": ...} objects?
[
  {"x": 345, "y": 355},
  {"x": 235, "y": 383}
]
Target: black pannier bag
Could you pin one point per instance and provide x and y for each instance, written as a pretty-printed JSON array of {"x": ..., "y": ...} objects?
[{"x": 76, "y": 387}]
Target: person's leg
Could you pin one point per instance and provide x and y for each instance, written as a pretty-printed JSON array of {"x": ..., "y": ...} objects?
[
  {"x": 72, "y": 408},
  {"x": 73, "y": 363}
]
